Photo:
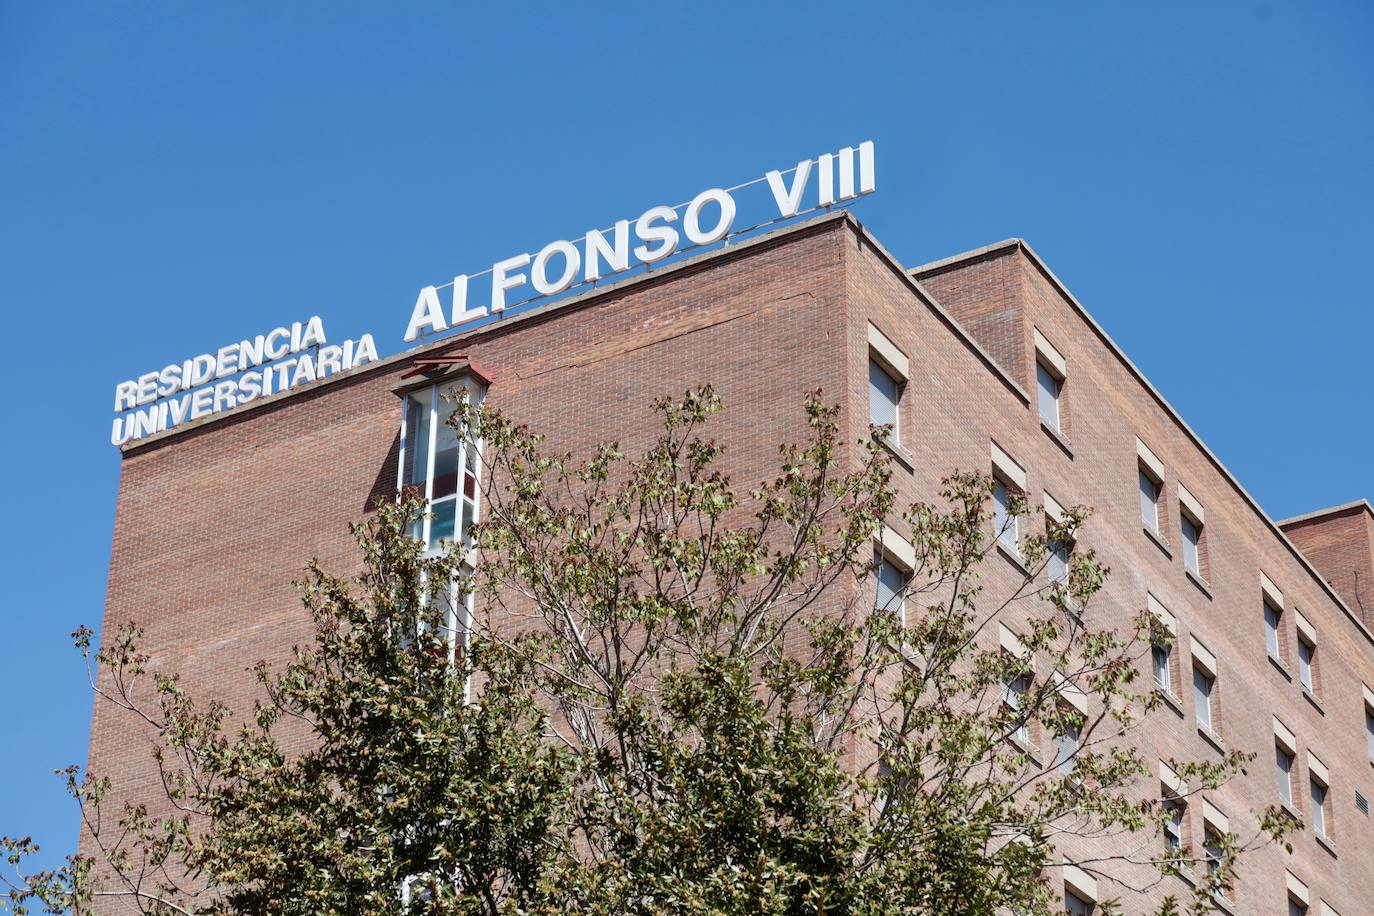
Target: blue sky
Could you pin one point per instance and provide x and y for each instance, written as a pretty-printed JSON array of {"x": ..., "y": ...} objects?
[{"x": 177, "y": 176}]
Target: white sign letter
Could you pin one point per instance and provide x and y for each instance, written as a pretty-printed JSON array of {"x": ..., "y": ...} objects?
[
  {"x": 428, "y": 314},
  {"x": 539, "y": 271},
  {"x": 648, "y": 232},
  {"x": 617, "y": 256},
  {"x": 789, "y": 199},
  {"x": 691, "y": 219},
  {"x": 502, "y": 280}
]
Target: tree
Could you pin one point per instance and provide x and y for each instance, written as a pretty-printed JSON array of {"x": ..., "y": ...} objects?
[{"x": 668, "y": 697}]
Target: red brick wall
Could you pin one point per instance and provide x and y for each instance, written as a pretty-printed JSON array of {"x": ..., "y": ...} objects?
[
  {"x": 1341, "y": 545},
  {"x": 213, "y": 523}
]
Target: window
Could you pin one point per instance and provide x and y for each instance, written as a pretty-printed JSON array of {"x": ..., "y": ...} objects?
[
  {"x": 1163, "y": 638},
  {"x": 443, "y": 468},
  {"x": 1295, "y": 908},
  {"x": 1051, "y": 369},
  {"x": 1161, "y": 656},
  {"x": 1272, "y": 631},
  {"x": 1211, "y": 849},
  {"x": 1066, "y": 749},
  {"x": 1306, "y": 654},
  {"x": 1192, "y": 537},
  {"x": 1149, "y": 501},
  {"x": 1048, "y": 386},
  {"x": 1013, "y": 696},
  {"x": 890, "y": 582},
  {"x": 1369, "y": 728},
  {"x": 1308, "y": 675},
  {"x": 1004, "y": 519},
  {"x": 1319, "y": 812},
  {"x": 1191, "y": 515},
  {"x": 884, "y": 392},
  {"x": 1150, "y": 471},
  {"x": 1076, "y": 905},
  {"x": 1204, "y": 685},
  {"x": 440, "y": 464},
  {"x": 1057, "y": 565},
  {"x": 1173, "y": 826},
  {"x": 1283, "y": 761},
  {"x": 888, "y": 371}
]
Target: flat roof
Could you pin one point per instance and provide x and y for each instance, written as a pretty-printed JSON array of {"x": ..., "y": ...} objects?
[{"x": 1330, "y": 510}]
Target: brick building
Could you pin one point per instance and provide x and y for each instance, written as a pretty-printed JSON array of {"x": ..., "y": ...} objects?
[{"x": 984, "y": 360}]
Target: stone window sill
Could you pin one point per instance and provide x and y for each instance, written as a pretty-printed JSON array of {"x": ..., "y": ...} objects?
[
  {"x": 1058, "y": 438},
  {"x": 1310, "y": 697},
  {"x": 1158, "y": 540},
  {"x": 1212, "y": 739},
  {"x": 1325, "y": 843},
  {"x": 1015, "y": 557},
  {"x": 1200, "y": 582},
  {"x": 904, "y": 458},
  {"x": 1170, "y": 700},
  {"x": 1281, "y": 665}
]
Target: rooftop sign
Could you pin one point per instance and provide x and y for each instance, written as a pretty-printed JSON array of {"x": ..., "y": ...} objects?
[
  {"x": 707, "y": 218},
  {"x": 234, "y": 374}
]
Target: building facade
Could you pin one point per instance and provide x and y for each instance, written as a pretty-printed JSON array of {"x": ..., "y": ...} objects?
[{"x": 981, "y": 361}]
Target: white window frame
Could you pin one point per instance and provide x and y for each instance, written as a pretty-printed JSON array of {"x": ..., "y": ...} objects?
[
  {"x": 886, "y": 357},
  {"x": 1319, "y": 778},
  {"x": 458, "y": 618},
  {"x": 891, "y": 550},
  {"x": 1050, "y": 364},
  {"x": 1009, "y": 478},
  {"x": 1150, "y": 469},
  {"x": 1191, "y": 514}
]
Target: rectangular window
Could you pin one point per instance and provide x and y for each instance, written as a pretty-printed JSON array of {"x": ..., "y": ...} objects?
[
  {"x": 1173, "y": 826},
  {"x": 1307, "y": 654},
  {"x": 1004, "y": 520},
  {"x": 439, "y": 465},
  {"x": 1192, "y": 537},
  {"x": 1048, "y": 387},
  {"x": 1075, "y": 905},
  {"x": 1057, "y": 565},
  {"x": 1211, "y": 849},
  {"x": 1204, "y": 685},
  {"x": 1283, "y": 761},
  {"x": 1161, "y": 658},
  {"x": 1013, "y": 694},
  {"x": 1066, "y": 750},
  {"x": 1319, "y": 810},
  {"x": 890, "y": 581},
  {"x": 1369, "y": 730},
  {"x": 884, "y": 393},
  {"x": 1295, "y": 908},
  {"x": 1272, "y": 631},
  {"x": 1149, "y": 500}
]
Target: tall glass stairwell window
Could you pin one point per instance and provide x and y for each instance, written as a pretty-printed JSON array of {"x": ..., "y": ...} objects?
[
  {"x": 443, "y": 466},
  {"x": 440, "y": 463}
]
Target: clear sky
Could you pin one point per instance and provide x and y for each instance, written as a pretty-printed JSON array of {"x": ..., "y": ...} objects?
[{"x": 174, "y": 177}]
